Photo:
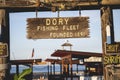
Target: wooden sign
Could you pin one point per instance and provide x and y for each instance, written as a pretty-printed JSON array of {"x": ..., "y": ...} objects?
[
  {"x": 113, "y": 48},
  {"x": 3, "y": 50},
  {"x": 63, "y": 27},
  {"x": 93, "y": 59},
  {"x": 111, "y": 59}
]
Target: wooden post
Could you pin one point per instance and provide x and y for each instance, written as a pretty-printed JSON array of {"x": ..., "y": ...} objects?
[
  {"x": 54, "y": 68},
  {"x": 60, "y": 69},
  {"x": 31, "y": 75},
  {"x": 77, "y": 68},
  {"x": 48, "y": 71},
  {"x": 17, "y": 69},
  {"x": 106, "y": 20},
  {"x": 103, "y": 25},
  {"x": 4, "y": 17},
  {"x": 62, "y": 65},
  {"x": 51, "y": 69},
  {"x": 71, "y": 67}
]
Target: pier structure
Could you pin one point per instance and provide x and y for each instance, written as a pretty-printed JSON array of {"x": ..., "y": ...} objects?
[{"x": 91, "y": 61}]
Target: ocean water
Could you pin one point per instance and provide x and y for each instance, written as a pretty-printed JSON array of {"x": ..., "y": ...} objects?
[{"x": 42, "y": 68}]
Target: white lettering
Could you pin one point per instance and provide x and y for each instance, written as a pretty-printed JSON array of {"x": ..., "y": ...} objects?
[
  {"x": 47, "y": 28},
  {"x": 61, "y": 35},
  {"x": 71, "y": 27},
  {"x": 54, "y": 22},
  {"x": 60, "y": 21},
  {"x": 66, "y": 21},
  {"x": 48, "y": 22}
]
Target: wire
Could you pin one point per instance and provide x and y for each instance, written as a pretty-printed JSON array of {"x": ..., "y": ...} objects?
[{"x": 79, "y": 11}]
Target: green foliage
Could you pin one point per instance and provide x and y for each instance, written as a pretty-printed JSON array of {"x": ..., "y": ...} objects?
[
  {"x": 21, "y": 75},
  {"x": 15, "y": 77}
]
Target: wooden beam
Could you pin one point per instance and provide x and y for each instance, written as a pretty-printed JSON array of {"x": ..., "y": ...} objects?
[{"x": 29, "y": 6}]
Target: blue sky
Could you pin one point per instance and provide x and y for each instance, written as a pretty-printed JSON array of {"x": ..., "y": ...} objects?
[{"x": 21, "y": 47}]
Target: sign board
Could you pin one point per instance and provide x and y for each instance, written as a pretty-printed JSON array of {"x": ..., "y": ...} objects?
[
  {"x": 113, "y": 48},
  {"x": 93, "y": 59},
  {"x": 3, "y": 50},
  {"x": 111, "y": 59},
  {"x": 62, "y": 27}
]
